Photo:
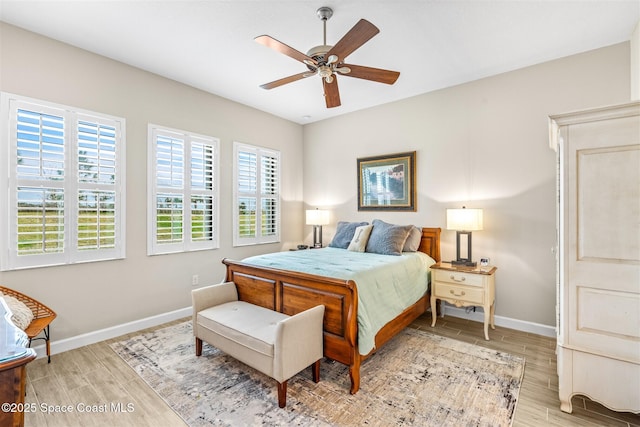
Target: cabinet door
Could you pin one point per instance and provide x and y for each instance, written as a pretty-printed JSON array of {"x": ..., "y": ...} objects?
[{"x": 602, "y": 236}]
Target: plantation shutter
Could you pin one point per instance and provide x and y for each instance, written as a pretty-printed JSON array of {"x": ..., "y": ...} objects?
[
  {"x": 97, "y": 173},
  {"x": 169, "y": 169},
  {"x": 257, "y": 195},
  {"x": 65, "y": 188},
  {"x": 202, "y": 191},
  {"x": 270, "y": 186},
  {"x": 247, "y": 202},
  {"x": 40, "y": 174},
  {"x": 183, "y": 169}
]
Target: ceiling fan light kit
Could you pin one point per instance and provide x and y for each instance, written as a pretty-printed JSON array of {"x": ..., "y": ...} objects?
[{"x": 328, "y": 61}]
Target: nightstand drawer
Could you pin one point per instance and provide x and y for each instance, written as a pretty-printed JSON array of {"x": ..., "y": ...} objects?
[
  {"x": 461, "y": 293},
  {"x": 459, "y": 278}
]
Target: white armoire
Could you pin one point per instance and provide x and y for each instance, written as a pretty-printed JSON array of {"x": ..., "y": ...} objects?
[{"x": 599, "y": 255}]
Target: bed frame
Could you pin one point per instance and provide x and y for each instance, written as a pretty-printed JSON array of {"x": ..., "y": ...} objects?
[{"x": 291, "y": 292}]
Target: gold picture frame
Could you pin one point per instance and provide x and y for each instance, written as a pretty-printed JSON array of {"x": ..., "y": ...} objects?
[{"x": 387, "y": 183}]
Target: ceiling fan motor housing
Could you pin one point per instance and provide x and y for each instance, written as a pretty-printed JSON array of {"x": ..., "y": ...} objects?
[{"x": 318, "y": 53}]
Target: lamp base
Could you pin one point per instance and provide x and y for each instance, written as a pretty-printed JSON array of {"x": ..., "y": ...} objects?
[{"x": 464, "y": 263}]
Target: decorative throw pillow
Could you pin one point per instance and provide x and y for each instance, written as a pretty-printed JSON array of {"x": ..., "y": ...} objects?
[
  {"x": 413, "y": 240},
  {"x": 387, "y": 239},
  {"x": 22, "y": 315},
  {"x": 344, "y": 234},
  {"x": 360, "y": 238}
]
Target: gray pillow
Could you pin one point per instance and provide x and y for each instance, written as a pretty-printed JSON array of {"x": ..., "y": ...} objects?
[
  {"x": 387, "y": 239},
  {"x": 344, "y": 234},
  {"x": 413, "y": 240}
]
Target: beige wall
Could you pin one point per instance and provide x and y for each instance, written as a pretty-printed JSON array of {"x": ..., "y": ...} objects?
[
  {"x": 635, "y": 63},
  {"x": 93, "y": 296},
  {"x": 484, "y": 145}
]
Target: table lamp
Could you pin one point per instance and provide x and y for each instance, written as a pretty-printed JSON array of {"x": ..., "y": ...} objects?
[
  {"x": 464, "y": 221},
  {"x": 317, "y": 218}
]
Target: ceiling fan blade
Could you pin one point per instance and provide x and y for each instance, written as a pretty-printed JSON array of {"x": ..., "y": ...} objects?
[
  {"x": 331, "y": 93},
  {"x": 374, "y": 74},
  {"x": 286, "y": 80},
  {"x": 283, "y": 48},
  {"x": 356, "y": 37}
]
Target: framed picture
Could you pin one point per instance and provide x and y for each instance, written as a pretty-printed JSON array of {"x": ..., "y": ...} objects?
[{"x": 387, "y": 182}]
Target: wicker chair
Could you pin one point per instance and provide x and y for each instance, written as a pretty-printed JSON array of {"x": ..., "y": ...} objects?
[{"x": 42, "y": 317}]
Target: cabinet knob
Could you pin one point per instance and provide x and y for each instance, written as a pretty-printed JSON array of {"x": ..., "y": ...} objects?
[
  {"x": 461, "y": 279},
  {"x": 461, "y": 294}
]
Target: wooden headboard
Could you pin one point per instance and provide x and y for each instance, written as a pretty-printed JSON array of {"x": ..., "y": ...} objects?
[{"x": 430, "y": 242}]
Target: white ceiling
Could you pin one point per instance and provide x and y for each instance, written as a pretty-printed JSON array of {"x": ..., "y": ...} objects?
[{"x": 434, "y": 44}]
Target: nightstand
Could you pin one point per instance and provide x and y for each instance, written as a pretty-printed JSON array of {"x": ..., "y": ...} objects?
[{"x": 464, "y": 287}]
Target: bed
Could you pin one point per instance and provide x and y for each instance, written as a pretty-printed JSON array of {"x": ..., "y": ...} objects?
[{"x": 291, "y": 292}]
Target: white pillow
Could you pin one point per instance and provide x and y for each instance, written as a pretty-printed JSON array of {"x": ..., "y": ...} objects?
[
  {"x": 22, "y": 315},
  {"x": 360, "y": 238}
]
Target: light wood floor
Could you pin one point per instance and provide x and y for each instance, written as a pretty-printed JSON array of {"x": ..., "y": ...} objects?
[
  {"x": 538, "y": 403},
  {"x": 95, "y": 378}
]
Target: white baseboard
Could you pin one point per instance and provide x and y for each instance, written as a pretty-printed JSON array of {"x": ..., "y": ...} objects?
[
  {"x": 126, "y": 328},
  {"x": 507, "y": 322},
  {"x": 112, "y": 332}
]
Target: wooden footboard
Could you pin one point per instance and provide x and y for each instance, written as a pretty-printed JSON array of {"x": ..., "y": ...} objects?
[{"x": 291, "y": 292}]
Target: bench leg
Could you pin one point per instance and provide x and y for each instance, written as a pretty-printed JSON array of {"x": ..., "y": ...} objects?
[
  {"x": 315, "y": 371},
  {"x": 198, "y": 347},
  {"x": 282, "y": 394}
]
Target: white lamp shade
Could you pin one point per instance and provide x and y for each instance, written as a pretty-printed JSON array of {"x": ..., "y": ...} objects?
[
  {"x": 464, "y": 219},
  {"x": 317, "y": 217}
]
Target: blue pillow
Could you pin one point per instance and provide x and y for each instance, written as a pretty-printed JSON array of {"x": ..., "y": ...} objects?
[
  {"x": 387, "y": 239},
  {"x": 344, "y": 234}
]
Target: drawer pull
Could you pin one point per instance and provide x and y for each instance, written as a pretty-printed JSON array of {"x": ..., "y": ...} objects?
[
  {"x": 461, "y": 294},
  {"x": 452, "y": 277}
]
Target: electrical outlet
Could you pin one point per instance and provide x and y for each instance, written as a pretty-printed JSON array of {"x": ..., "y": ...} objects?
[{"x": 195, "y": 279}]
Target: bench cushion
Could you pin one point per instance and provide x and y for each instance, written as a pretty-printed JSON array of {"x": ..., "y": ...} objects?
[{"x": 249, "y": 325}]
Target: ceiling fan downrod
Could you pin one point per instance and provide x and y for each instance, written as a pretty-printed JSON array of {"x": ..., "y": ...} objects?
[{"x": 324, "y": 13}]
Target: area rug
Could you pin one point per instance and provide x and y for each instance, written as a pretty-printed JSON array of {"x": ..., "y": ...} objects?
[{"x": 417, "y": 378}]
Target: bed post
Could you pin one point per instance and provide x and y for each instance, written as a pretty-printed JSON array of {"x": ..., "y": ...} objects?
[
  {"x": 352, "y": 338},
  {"x": 354, "y": 372}
]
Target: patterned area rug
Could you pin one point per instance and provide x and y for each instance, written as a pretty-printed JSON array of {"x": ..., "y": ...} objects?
[{"x": 415, "y": 379}]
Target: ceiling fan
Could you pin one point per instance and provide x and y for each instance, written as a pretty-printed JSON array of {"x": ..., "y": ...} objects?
[{"x": 328, "y": 61}]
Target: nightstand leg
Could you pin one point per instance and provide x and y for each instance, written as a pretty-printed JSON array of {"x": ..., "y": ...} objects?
[
  {"x": 487, "y": 316},
  {"x": 434, "y": 313},
  {"x": 493, "y": 317}
]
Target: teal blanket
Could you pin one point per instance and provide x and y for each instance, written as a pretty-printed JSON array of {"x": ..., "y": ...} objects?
[{"x": 387, "y": 284}]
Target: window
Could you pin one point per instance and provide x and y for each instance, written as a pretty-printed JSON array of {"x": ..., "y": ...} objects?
[
  {"x": 65, "y": 187},
  {"x": 183, "y": 196},
  {"x": 256, "y": 196}
]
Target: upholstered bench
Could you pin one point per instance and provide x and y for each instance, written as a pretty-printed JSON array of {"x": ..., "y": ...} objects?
[{"x": 273, "y": 343}]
